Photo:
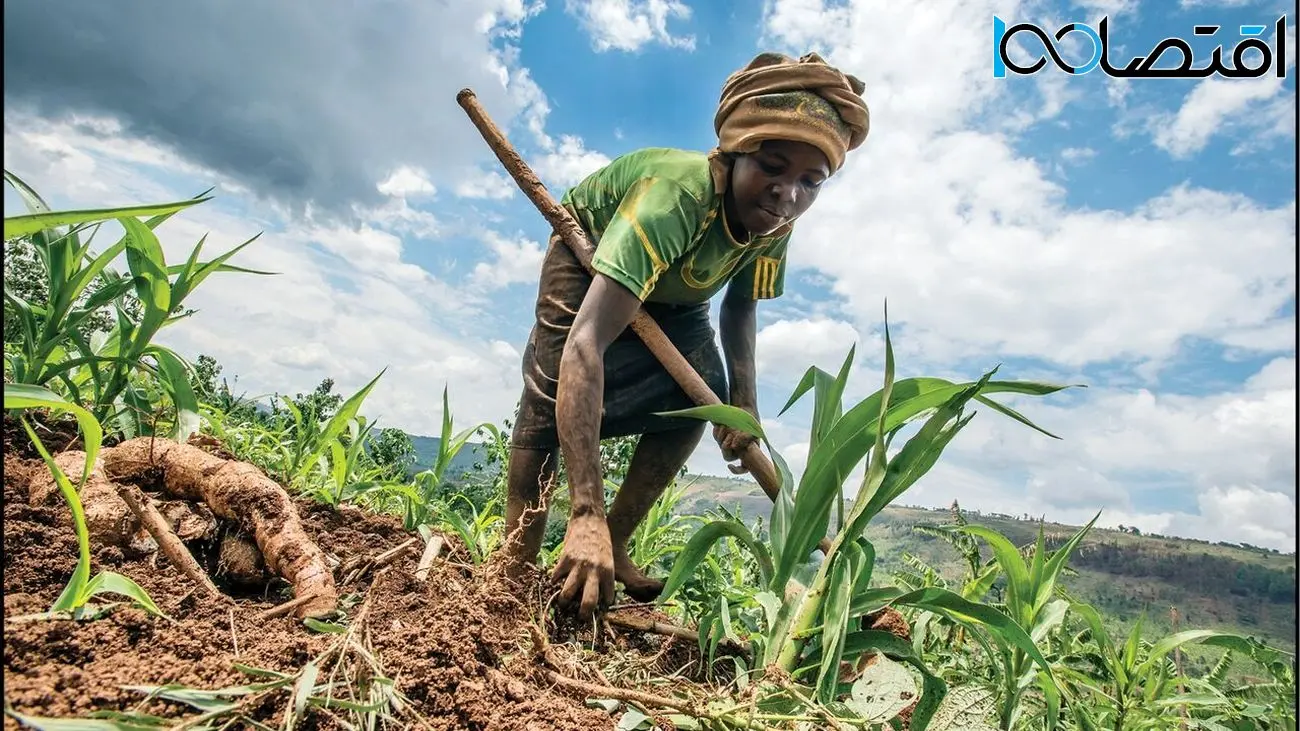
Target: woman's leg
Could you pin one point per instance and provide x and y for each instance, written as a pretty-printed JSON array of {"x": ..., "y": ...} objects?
[
  {"x": 529, "y": 483},
  {"x": 655, "y": 463}
]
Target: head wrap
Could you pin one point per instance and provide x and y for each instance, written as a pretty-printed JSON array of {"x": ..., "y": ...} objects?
[{"x": 776, "y": 97}]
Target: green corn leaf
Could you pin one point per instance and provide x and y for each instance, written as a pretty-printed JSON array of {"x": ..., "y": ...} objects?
[
  {"x": 34, "y": 202},
  {"x": 1012, "y": 563},
  {"x": 782, "y": 509},
  {"x": 337, "y": 423},
  {"x": 144, "y": 256},
  {"x": 723, "y": 414},
  {"x": 1052, "y": 698},
  {"x": 1056, "y": 564},
  {"x": 107, "y": 582},
  {"x": 835, "y": 624},
  {"x": 174, "y": 376},
  {"x": 854, "y": 434},
  {"x": 80, "y": 724},
  {"x": 23, "y": 396},
  {"x": 1212, "y": 638},
  {"x": 951, "y": 605},
  {"x": 1133, "y": 642},
  {"x": 193, "y": 273},
  {"x": 302, "y": 690},
  {"x": 698, "y": 547},
  {"x": 31, "y": 223},
  {"x": 1110, "y": 661}
]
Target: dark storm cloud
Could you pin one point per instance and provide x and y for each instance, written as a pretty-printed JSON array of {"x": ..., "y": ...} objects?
[{"x": 301, "y": 101}]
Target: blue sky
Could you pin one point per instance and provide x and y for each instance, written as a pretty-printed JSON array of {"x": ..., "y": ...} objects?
[{"x": 1136, "y": 236}]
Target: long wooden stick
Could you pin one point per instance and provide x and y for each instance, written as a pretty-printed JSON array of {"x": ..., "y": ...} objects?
[
  {"x": 170, "y": 545},
  {"x": 643, "y": 325}
]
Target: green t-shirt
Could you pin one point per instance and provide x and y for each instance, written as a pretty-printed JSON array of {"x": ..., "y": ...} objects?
[{"x": 661, "y": 231}]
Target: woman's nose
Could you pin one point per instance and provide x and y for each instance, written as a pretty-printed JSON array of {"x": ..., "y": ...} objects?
[{"x": 784, "y": 194}]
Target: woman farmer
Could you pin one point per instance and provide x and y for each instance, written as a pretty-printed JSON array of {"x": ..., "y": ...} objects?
[{"x": 673, "y": 229}]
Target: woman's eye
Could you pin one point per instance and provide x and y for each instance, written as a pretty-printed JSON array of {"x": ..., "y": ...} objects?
[
  {"x": 769, "y": 169},
  {"x": 814, "y": 184}
]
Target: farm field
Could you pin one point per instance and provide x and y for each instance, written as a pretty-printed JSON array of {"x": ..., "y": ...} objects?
[{"x": 179, "y": 557}]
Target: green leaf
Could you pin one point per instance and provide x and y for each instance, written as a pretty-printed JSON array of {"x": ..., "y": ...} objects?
[
  {"x": 326, "y": 627},
  {"x": 107, "y": 582},
  {"x": 1208, "y": 637},
  {"x": 31, "y": 223},
  {"x": 942, "y": 601},
  {"x": 22, "y": 396},
  {"x": 174, "y": 376},
  {"x": 1013, "y": 565},
  {"x": 836, "y": 622},
  {"x": 34, "y": 202},
  {"x": 302, "y": 690},
  {"x": 144, "y": 256},
  {"x": 337, "y": 423},
  {"x": 698, "y": 547},
  {"x": 79, "y": 724},
  {"x": 723, "y": 414},
  {"x": 1056, "y": 564}
]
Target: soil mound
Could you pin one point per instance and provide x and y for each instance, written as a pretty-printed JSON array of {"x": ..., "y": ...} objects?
[{"x": 459, "y": 647}]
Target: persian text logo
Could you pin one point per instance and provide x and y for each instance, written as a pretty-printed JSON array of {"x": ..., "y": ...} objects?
[{"x": 1144, "y": 66}]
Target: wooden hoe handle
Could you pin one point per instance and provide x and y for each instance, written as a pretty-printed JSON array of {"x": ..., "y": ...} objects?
[{"x": 643, "y": 325}]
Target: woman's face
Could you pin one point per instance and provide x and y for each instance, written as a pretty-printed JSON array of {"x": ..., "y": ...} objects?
[{"x": 776, "y": 184}]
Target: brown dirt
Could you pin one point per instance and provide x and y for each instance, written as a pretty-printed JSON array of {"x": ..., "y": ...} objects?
[{"x": 458, "y": 645}]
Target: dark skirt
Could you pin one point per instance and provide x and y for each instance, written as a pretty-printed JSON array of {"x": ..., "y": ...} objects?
[{"x": 636, "y": 385}]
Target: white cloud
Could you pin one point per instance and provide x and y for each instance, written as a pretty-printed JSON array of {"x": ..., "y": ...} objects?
[
  {"x": 489, "y": 185},
  {"x": 514, "y": 261},
  {"x": 1217, "y": 106},
  {"x": 1186, "y": 4},
  {"x": 1078, "y": 154},
  {"x": 1098, "y": 8},
  {"x": 785, "y": 348},
  {"x": 567, "y": 163},
  {"x": 407, "y": 182},
  {"x": 628, "y": 25}
]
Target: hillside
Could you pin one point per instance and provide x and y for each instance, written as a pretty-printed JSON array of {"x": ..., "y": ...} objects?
[{"x": 1216, "y": 586}]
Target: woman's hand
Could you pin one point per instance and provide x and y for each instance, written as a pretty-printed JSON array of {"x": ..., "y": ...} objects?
[{"x": 586, "y": 564}]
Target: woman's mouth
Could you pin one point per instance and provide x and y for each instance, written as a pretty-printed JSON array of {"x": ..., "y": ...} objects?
[{"x": 769, "y": 219}]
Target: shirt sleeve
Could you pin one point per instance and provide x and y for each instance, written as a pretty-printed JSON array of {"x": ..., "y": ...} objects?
[
  {"x": 764, "y": 277},
  {"x": 655, "y": 223}
]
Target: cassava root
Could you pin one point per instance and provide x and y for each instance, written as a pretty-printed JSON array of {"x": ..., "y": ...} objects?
[{"x": 237, "y": 491}]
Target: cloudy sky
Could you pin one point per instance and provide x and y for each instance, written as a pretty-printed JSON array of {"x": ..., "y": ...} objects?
[{"x": 1136, "y": 236}]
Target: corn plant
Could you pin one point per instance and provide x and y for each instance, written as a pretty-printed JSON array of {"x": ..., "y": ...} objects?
[
  {"x": 480, "y": 532},
  {"x": 81, "y": 587},
  {"x": 418, "y": 505},
  {"x": 52, "y": 345},
  {"x": 662, "y": 532},
  {"x": 1133, "y": 685},
  {"x": 812, "y": 608},
  {"x": 1032, "y": 602}
]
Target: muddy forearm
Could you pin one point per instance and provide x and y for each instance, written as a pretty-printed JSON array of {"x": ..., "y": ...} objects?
[
  {"x": 577, "y": 413},
  {"x": 738, "y": 322}
]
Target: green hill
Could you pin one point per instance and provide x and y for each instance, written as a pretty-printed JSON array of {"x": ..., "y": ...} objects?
[{"x": 1213, "y": 586}]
